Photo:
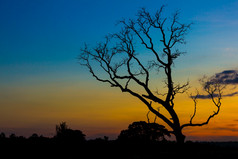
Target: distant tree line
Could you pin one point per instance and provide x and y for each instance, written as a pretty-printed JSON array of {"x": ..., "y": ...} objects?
[
  {"x": 140, "y": 140},
  {"x": 140, "y": 131}
]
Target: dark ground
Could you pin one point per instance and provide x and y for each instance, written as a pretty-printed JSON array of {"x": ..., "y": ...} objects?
[{"x": 100, "y": 148}]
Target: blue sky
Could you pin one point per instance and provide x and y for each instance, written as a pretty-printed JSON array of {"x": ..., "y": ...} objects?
[{"x": 46, "y": 36}]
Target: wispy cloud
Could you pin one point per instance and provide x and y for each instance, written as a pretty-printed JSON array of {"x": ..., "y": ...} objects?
[{"x": 221, "y": 17}]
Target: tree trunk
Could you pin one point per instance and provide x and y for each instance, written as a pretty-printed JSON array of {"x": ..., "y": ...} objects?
[{"x": 180, "y": 138}]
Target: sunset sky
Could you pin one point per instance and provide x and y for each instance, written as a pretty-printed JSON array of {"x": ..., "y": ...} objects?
[{"x": 42, "y": 83}]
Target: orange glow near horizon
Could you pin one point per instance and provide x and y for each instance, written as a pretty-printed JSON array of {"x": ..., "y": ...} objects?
[{"x": 100, "y": 110}]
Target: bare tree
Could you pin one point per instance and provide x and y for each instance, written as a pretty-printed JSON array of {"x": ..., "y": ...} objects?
[{"x": 117, "y": 62}]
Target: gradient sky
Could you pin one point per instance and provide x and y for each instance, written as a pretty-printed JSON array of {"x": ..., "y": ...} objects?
[{"x": 42, "y": 84}]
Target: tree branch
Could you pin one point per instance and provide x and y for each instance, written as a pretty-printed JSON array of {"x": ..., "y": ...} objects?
[{"x": 214, "y": 89}]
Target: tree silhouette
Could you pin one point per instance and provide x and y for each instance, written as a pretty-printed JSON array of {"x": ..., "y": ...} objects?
[
  {"x": 157, "y": 38},
  {"x": 143, "y": 132},
  {"x": 65, "y": 134}
]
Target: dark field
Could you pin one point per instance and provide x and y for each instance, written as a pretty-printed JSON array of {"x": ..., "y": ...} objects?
[{"x": 41, "y": 147}]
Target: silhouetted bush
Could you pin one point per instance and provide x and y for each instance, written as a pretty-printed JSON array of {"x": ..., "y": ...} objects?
[
  {"x": 13, "y": 136},
  {"x": 2, "y": 136},
  {"x": 34, "y": 136}
]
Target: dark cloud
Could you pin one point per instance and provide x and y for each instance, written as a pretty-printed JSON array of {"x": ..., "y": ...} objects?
[
  {"x": 230, "y": 95},
  {"x": 204, "y": 96},
  {"x": 228, "y": 128},
  {"x": 215, "y": 95},
  {"x": 226, "y": 77}
]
